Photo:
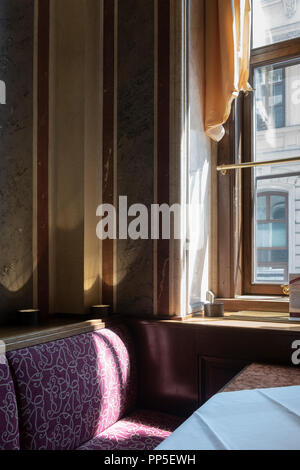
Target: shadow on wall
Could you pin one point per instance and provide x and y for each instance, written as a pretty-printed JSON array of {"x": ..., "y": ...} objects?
[
  {"x": 77, "y": 277},
  {"x": 11, "y": 301}
]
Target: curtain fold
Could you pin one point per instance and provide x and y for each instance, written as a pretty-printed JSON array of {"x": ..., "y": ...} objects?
[{"x": 227, "y": 59}]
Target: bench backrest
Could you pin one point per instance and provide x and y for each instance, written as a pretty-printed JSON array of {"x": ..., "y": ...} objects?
[
  {"x": 9, "y": 425},
  {"x": 70, "y": 390}
]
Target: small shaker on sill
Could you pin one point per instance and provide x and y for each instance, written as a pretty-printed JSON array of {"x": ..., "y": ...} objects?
[{"x": 213, "y": 309}]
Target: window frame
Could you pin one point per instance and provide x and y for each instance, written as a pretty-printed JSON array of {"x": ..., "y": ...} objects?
[
  {"x": 266, "y": 55},
  {"x": 235, "y": 193}
]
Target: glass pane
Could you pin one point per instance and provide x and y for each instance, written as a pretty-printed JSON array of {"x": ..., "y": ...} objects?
[
  {"x": 275, "y": 21},
  {"x": 271, "y": 235},
  {"x": 277, "y": 112},
  {"x": 272, "y": 256},
  {"x": 278, "y": 207},
  {"x": 279, "y": 235},
  {"x": 263, "y": 237},
  {"x": 272, "y": 98},
  {"x": 261, "y": 208},
  {"x": 269, "y": 275},
  {"x": 276, "y": 127}
]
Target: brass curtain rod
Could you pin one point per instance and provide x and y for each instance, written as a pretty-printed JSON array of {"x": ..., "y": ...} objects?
[{"x": 225, "y": 168}]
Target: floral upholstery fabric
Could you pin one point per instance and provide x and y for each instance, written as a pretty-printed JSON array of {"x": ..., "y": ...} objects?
[
  {"x": 142, "y": 430},
  {"x": 9, "y": 427},
  {"x": 71, "y": 390}
]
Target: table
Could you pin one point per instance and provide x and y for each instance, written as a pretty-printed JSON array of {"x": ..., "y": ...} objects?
[{"x": 260, "y": 419}]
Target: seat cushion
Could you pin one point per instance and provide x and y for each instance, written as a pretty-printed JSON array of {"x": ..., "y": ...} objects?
[
  {"x": 142, "y": 430},
  {"x": 71, "y": 390},
  {"x": 9, "y": 426}
]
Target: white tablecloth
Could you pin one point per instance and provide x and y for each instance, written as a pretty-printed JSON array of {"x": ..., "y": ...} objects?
[{"x": 262, "y": 419}]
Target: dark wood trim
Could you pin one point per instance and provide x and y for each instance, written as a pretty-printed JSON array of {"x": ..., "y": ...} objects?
[
  {"x": 174, "y": 387},
  {"x": 230, "y": 226},
  {"x": 238, "y": 225},
  {"x": 225, "y": 214},
  {"x": 108, "y": 142},
  {"x": 42, "y": 156},
  {"x": 276, "y": 52},
  {"x": 248, "y": 199},
  {"x": 163, "y": 149},
  {"x": 214, "y": 372}
]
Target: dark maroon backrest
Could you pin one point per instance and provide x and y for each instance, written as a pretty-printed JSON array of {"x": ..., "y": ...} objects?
[
  {"x": 70, "y": 390},
  {"x": 9, "y": 426}
]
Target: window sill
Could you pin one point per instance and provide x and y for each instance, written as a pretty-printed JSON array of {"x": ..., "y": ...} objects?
[
  {"x": 241, "y": 320},
  {"x": 257, "y": 304}
]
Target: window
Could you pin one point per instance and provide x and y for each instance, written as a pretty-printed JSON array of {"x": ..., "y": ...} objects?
[
  {"x": 260, "y": 232},
  {"x": 271, "y": 240},
  {"x": 273, "y": 133}
]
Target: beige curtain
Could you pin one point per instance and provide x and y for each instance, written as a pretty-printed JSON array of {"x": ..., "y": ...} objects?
[{"x": 227, "y": 54}]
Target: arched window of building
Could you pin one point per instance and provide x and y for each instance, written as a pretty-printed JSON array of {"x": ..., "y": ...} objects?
[{"x": 272, "y": 237}]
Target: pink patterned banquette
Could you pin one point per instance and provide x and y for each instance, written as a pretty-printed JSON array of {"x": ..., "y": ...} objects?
[{"x": 77, "y": 393}]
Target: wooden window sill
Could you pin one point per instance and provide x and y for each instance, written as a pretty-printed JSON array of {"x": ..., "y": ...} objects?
[
  {"x": 232, "y": 320},
  {"x": 257, "y": 304}
]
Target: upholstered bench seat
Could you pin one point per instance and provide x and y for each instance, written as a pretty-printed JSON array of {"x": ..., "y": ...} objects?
[
  {"x": 142, "y": 430},
  {"x": 9, "y": 424},
  {"x": 77, "y": 393}
]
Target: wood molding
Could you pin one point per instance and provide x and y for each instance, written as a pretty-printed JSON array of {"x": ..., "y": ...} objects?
[
  {"x": 163, "y": 149},
  {"x": 214, "y": 373},
  {"x": 108, "y": 142},
  {"x": 226, "y": 155},
  {"x": 43, "y": 156},
  {"x": 274, "y": 52},
  {"x": 23, "y": 337},
  {"x": 176, "y": 385}
]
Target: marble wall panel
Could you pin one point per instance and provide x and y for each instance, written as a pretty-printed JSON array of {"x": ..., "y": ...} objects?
[
  {"x": 135, "y": 147},
  {"x": 16, "y": 156}
]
